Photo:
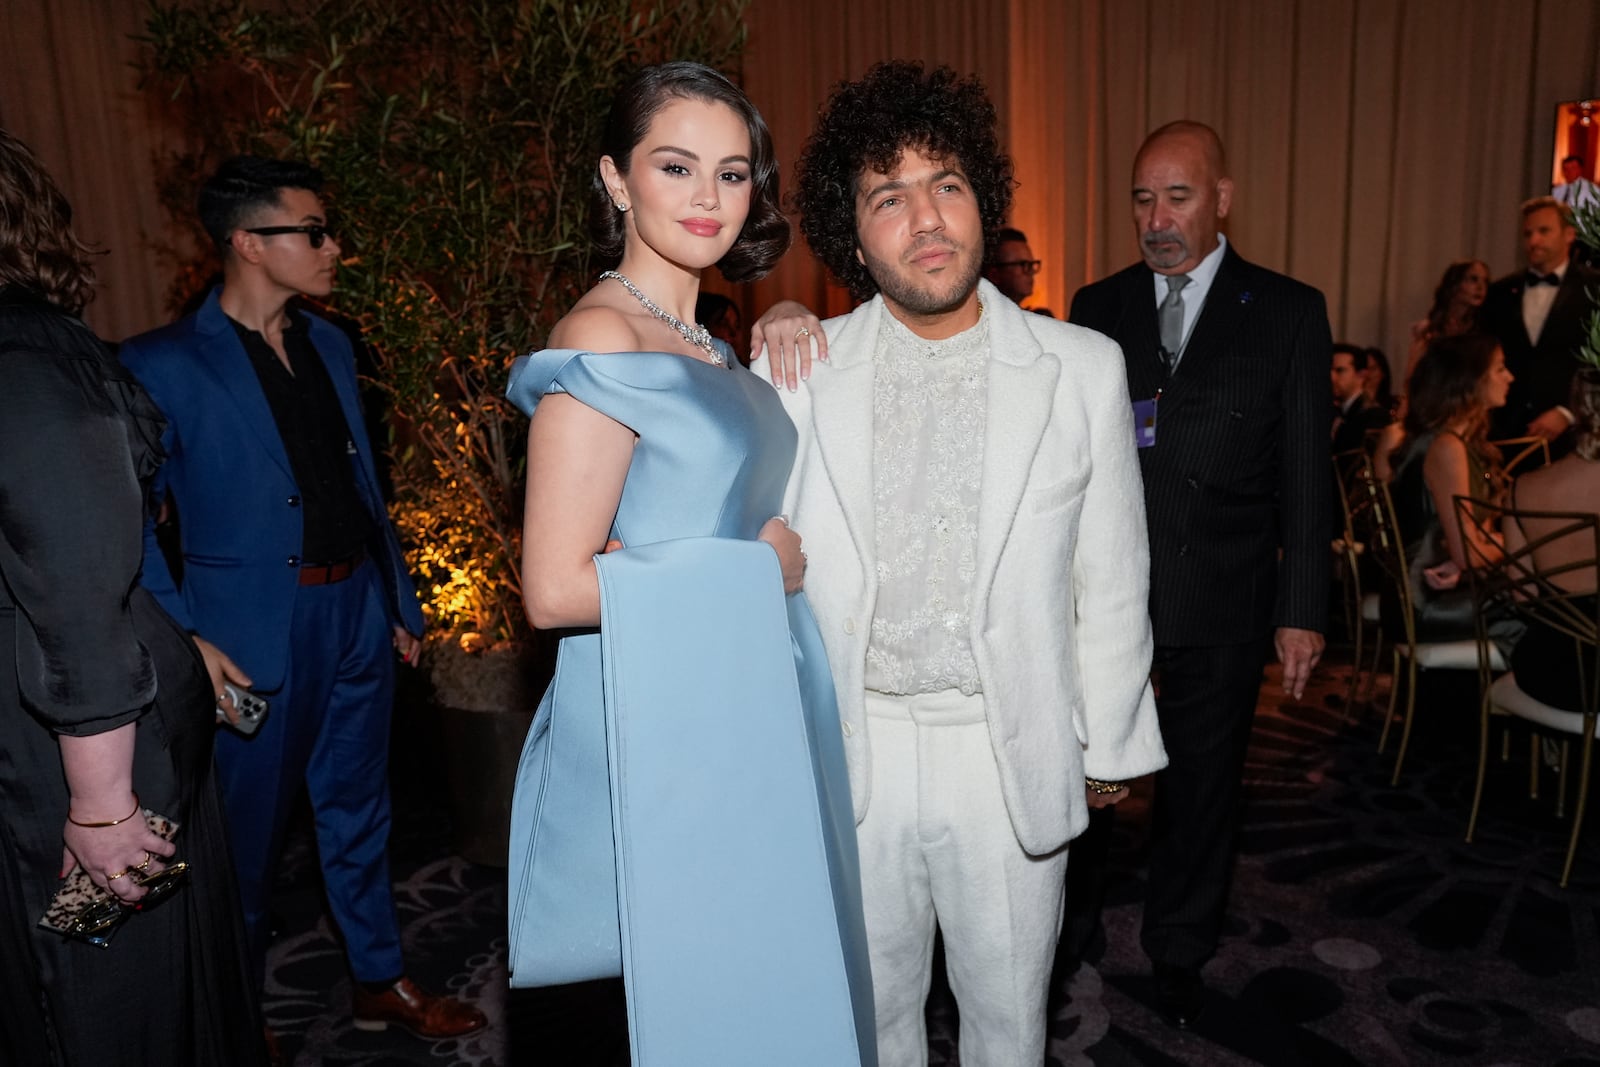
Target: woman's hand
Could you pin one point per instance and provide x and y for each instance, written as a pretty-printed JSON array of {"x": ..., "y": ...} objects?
[
  {"x": 787, "y": 331},
  {"x": 222, "y": 670},
  {"x": 791, "y": 557},
  {"x": 114, "y": 857},
  {"x": 1444, "y": 577}
]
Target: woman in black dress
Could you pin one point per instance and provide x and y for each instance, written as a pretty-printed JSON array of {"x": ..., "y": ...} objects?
[{"x": 106, "y": 709}]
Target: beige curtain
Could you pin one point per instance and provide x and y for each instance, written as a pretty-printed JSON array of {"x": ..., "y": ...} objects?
[
  {"x": 1372, "y": 141},
  {"x": 69, "y": 90}
]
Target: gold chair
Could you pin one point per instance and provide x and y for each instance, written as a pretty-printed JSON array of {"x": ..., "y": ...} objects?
[
  {"x": 1545, "y": 596},
  {"x": 1386, "y": 547},
  {"x": 1522, "y": 454},
  {"x": 1351, "y": 471}
]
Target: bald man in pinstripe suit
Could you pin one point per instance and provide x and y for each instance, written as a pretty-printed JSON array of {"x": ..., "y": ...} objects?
[{"x": 1227, "y": 368}]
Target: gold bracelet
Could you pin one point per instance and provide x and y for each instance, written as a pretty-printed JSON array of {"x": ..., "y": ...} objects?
[
  {"x": 103, "y": 825},
  {"x": 1103, "y": 788}
]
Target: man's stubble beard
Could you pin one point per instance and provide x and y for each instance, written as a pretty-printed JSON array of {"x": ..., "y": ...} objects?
[{"x": 919, "y": 300}]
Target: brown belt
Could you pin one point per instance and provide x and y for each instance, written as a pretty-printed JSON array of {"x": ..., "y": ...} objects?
[{"x": 328, "y": 573}]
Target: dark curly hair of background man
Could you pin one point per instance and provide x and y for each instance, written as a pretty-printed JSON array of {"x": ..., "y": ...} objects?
[{"x": 867, "y": 124}]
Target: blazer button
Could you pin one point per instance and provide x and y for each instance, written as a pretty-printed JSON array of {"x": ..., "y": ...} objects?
[
  {"x": 1183, "y": 550},
  {"x": 1193, "y": 483},
  {"x": 849, "y": 626},
  {"x": 294, "y": 561},
  {"x": 294, "y": 501}
]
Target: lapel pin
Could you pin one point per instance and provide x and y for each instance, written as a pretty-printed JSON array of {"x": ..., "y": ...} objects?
[{"x": 1246, "y": 296}]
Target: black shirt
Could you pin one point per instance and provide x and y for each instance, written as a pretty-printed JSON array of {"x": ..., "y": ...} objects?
[{"x": 316, "y": 438}]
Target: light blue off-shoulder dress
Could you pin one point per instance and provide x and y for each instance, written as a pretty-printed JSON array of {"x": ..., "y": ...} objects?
[{"x": 682, "y": 812}]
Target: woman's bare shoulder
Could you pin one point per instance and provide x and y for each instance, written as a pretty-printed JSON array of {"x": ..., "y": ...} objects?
[{"x": 594, "y": 326}]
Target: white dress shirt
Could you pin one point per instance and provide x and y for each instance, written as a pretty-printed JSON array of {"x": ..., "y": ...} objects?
[{"x": 1536, "y": 303}]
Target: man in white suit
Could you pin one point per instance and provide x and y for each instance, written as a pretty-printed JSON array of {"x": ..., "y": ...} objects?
[{"x": 967, "y": 487}]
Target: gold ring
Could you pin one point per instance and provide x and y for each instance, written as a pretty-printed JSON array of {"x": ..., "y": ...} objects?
[
  {"x": 802, "y": 332},
  {"x": 145, "y": 865},
  {"x": 120, "y": 874}
]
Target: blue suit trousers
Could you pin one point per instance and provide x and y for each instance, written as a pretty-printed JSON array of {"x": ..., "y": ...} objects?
[{"x": 329, "y": 728}]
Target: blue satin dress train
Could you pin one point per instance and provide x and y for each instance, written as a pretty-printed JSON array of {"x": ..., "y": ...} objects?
[{"x": 682, "y": 813}]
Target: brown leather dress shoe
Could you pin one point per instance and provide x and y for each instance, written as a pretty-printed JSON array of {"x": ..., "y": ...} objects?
[{"x": 411, "y": 1009}]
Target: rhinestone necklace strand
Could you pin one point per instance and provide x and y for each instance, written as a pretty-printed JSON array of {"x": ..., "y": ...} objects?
[{"x": 696, "y": 335}]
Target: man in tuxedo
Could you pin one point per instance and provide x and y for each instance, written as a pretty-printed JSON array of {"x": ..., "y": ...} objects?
[
  {"x": 293, "y": 581},
  {"x": 1353, "y": 413},
  {"x": 1228, "y": 373},
  {"x": 1539, "y": 315}
]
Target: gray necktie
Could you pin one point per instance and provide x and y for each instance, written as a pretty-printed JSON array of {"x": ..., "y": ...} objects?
[{"x": 1170, "y": 317}]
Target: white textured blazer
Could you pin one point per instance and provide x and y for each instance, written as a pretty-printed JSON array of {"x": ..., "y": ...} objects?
[{"x": 1060, "y": 623}]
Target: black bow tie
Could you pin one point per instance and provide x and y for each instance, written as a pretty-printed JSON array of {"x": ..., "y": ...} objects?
[{"x": 1535, "y": 278}]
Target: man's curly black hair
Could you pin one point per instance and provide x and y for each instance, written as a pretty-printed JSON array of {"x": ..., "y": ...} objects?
[{"x": 866, "y": 125}]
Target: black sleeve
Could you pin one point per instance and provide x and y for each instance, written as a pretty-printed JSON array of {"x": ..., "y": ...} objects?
[{"x": 70, "y": 544}]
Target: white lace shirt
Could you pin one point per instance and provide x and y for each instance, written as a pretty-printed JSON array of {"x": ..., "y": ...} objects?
[{"x": 927, "y": 460}]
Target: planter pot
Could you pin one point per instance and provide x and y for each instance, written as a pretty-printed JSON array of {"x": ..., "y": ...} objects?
[
  {"x": 481, "y": 749},
  {"x": 485, "y": 701}
]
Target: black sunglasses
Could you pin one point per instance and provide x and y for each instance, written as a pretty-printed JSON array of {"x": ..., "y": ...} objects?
[
  {"x": 316, "y": 234},
  {"x": 1031, "y": 266}
]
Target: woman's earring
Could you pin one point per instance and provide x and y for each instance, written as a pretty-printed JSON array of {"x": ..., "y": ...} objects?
[{"x": 620, "y": 205}]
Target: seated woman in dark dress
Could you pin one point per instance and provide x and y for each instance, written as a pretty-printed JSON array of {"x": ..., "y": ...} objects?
[
  {"x": 1545, "y": 660},
  {"x": 106, "y": 710},
  {"x": 1455, "y": 385}
]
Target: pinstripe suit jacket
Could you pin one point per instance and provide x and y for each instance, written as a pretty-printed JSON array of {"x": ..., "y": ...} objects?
[{"x": 1236, "y": 484}]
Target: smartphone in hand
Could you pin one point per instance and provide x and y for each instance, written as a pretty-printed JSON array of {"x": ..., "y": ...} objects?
[{"x": 250, "y": 708}]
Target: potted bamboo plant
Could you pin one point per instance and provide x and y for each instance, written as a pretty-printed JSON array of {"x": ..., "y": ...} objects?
[{"x": 457, "y": 137}]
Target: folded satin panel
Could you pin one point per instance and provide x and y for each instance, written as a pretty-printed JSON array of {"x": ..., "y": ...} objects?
[{"x": 735, "y": 908}]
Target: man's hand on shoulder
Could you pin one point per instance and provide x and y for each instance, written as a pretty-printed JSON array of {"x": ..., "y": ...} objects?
[{"x": 1549, "y": 425}]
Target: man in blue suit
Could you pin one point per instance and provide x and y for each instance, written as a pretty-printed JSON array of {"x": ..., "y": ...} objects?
[{"x": 293, "y": 582}]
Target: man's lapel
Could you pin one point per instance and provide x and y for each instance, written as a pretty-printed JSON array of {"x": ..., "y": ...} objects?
[
  {"x": 1568, "y": 304},
  {"x": 227, "y": 361},
  {"x": 1141, "y": 336},
  {"x": 1226, "y": 303},
  {"x": 841, "y": 412},
  {"x": 1021, "y": 395}
]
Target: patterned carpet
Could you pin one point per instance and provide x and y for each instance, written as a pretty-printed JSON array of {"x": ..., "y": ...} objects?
[{"x": 1362, "y": 931}]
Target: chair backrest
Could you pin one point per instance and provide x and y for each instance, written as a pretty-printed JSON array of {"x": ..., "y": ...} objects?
[
  {"x": 1347, "y": 472},
  {"x": 1372, "y": 520},
  {"x": 1514, "y": 579},
  {"x": 1522, "y": 453}
]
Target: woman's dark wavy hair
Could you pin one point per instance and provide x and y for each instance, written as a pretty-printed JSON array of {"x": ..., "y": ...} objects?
[
  {"x": 765, "y": 236},
  {"x": 1383, "y": 394},
  {"x": 1446, "y": 384},
  {"x": 866, "y": 125},
  {"x": 1445, "y": 293},
  {"x": 38, "y": 249}
]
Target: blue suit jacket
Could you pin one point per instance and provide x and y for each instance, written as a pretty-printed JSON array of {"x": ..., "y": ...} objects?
[{"x": 240, "y": 516}]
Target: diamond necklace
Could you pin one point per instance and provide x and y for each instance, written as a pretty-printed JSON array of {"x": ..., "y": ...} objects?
[{"x": 696, "y": 334}]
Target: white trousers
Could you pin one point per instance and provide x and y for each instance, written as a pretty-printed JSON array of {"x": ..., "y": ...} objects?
[{"x": 938, "y": 851}]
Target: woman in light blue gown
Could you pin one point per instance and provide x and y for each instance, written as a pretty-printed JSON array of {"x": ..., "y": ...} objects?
[{"x": 682, "y": 812}]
